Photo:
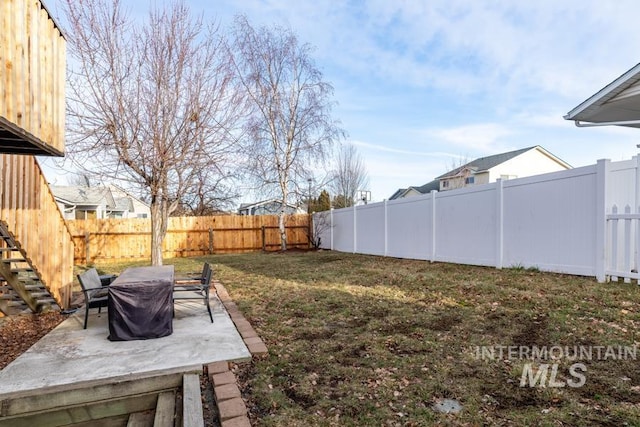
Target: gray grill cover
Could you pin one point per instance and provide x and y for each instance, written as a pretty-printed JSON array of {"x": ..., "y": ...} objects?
[{"x": 141, "y": 304}]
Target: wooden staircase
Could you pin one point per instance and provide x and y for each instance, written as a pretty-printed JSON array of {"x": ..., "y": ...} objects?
[
  {"x": 21, "y": 285},
  {"x": 159, "y": 400}
]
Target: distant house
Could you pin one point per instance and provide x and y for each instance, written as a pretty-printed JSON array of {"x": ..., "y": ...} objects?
[
  {"x": 80, "y": 202},
  {"x": 416, "y": 191},
  {"x": 513, "y": 164},
  {"x": 268, "y": 207}
]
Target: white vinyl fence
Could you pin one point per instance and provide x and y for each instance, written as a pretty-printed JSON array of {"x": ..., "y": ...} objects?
[{"x": 578, "y": 221}]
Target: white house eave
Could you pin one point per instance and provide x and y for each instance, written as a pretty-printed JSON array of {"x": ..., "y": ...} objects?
[{"x": 606, "y": 94}]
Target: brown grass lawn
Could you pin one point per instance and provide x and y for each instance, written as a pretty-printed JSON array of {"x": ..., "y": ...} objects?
[{"x": 361, "y": 340}]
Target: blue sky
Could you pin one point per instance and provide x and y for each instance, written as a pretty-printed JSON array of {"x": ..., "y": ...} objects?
[{"x": 422, "y": 83}]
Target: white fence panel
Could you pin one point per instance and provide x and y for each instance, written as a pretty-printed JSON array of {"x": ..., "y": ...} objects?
[
  {"x": 622, "y": 184},
  {"x": 560, "y": 222},
  {"x": 370, "y": 229},
  {"x": 343, "y": 230},
  {"x": 549, "y": 221},
  {"x": 321, "y": 228},
  {"x": 409, "y": 233},
  {"x": 466, "y": 226}
]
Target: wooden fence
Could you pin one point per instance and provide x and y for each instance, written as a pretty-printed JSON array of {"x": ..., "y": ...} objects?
[
  {"x": 121, "y": 239},
  {"x": 32, "y": 215}
]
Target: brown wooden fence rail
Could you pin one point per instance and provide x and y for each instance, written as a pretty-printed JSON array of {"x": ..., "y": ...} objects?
[{"x": 122, "y": 239}]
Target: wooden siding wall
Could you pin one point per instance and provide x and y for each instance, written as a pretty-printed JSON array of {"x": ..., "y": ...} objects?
[
  {"x": 122, "y": 239},
  {"x": 28, "y": 207},
  {"x": 32, "y": 70}
]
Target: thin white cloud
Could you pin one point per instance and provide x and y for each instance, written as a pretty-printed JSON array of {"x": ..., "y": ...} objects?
[
  {"x": 464, "y": 46},
  {"x": 483, "y": 137},
  {"x": 401, "y": 151}
]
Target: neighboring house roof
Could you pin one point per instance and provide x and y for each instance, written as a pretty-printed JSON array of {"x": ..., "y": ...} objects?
[
  {"x": 485, "y": 163},
  {"x": 616, "y": 103},
  {"x": 120, "y": 193},
  {"x": 478, "y": 165},
  {"x": 426, "y": 188},
  {"x": 95, "y": 196},
  {"x": 399, "y": 193},
  {"x": 244, "y": 206},
  {"x": 85, "y": 196},
  {"x": 123, "y": 204},
  {"x": 423, "y": 189}
]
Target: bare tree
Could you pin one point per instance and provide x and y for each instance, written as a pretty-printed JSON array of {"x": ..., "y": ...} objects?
[
  {"x": 290, "y": 128},
  {"x": 151, "y": 103},
  {"x": 349, "y": 176},
  {"x": 81, "y": 180},
  {"x": 458, "y": 173},
  {"x": 211, "y": 194}
]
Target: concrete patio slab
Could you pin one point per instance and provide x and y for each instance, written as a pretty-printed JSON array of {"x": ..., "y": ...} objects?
[{"x": 69, "y": 354}]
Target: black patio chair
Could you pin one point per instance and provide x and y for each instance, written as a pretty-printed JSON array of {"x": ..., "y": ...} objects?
[
  {"x": 195, "y": 289},
  {"x": 107, "y": 279},
  {"x": 95, "y": 295},
  {"x": 194, "y": 279}
]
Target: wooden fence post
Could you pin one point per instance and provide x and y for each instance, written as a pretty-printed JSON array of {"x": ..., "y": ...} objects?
[
  {"x": 210, "y": 241},
  {"x": 87, "y": 256},
  {"x": 264, "y": 242}
]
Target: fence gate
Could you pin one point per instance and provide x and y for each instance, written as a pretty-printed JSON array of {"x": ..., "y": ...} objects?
[{"x": 623, "y": 241}]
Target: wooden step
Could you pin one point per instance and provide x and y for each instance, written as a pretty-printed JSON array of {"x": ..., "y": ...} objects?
[
  {"x": 192, "y": 413},
  {"x": 22, "y": 270},
  {"x": 16, "y": 303},
  {"x": 16, "y": 260},
  {"x": 141, "y": 419},
  {"x": 165, "y": 410},
  {"x": 39, "y": 295},
  {"x": 87, "y": 404},
  {"x": 10, "y": 249}
]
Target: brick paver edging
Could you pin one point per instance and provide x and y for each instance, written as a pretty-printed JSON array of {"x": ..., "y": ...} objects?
[
  {"x": 251, "y": 339},
  {"x": 232, "y": 409}
]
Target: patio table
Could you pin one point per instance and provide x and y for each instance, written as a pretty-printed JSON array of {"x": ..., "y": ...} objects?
[{"x": 141, "y": 304}]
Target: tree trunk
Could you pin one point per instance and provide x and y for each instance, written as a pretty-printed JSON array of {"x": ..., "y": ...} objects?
[
  {"x": 157, "y": 235},
  {"x": 283, "y": 231}
]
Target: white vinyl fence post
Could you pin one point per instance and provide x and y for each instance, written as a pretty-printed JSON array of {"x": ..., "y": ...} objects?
[
  {"x": 636, "y": 208},
  {"x": 499, "y": 223},
  {"x": 637, "y": 254},
  {"x": 386, "y": 230},
  {"x": 331, "y": 228},
  {"x": 602, "y": 171},
  {"x": 432, "y": 257},
  {"x": 636, "y": 204},
  {"x": 355, "y": 230}
]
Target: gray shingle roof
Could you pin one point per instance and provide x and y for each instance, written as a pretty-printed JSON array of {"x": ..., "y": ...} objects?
[
  {"x": 79, "y": 195},
  {"x": 426, "y": 188},
  {"x": 123, "y": 204},
  {"x": 485, "y": 163},
  {"x": 477, "y": 165}
]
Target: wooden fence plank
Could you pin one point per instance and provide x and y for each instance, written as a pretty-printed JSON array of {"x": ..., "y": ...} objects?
[{"x": 121, "y": 239}]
